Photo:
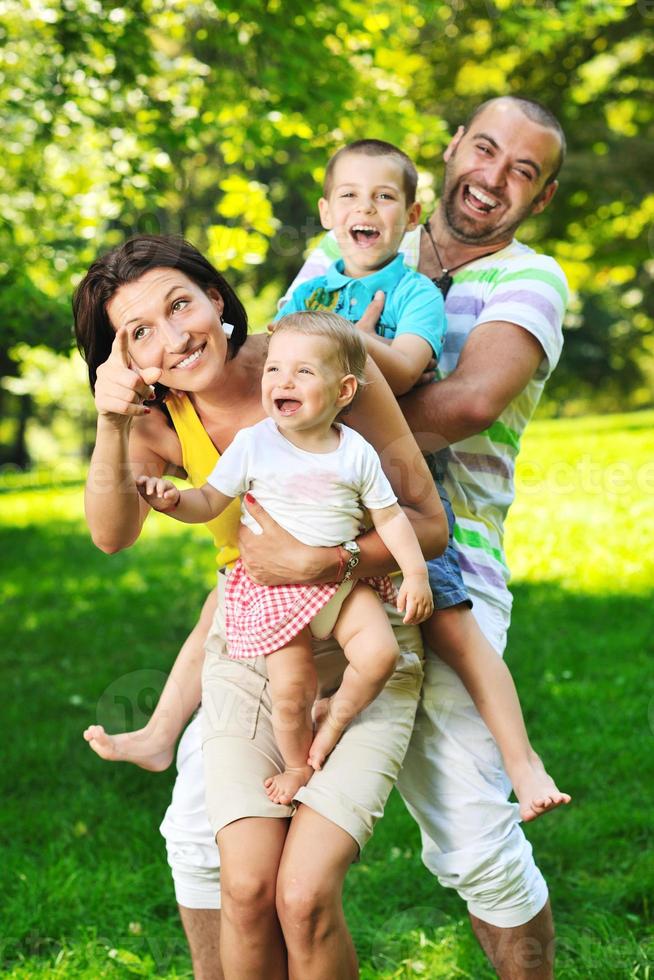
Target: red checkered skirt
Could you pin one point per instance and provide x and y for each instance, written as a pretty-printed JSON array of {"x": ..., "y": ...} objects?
[{"x": 260, "y": 619}]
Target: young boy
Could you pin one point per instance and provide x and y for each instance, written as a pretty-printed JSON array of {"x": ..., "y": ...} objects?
[{"x": 369, "y": 203}]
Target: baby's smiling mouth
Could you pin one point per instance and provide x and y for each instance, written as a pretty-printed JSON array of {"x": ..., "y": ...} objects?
[
  {"x": 190, "y": 358},
  {"x": 287, "y": 406}
]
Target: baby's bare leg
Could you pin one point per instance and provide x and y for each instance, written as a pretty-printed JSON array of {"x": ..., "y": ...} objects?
[
  {"x": 293, "y": 685},
  {"x": 153, "y": 746},
  {"x": 366, "y": 636},
  {"x": 455, "y": 636}
]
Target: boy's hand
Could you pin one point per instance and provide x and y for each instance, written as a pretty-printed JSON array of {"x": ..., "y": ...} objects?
[
  {"x": 428, "y": 374},
  {"x": 372, "y": 313},
  {"x": 415, "y": 599},
  {"x": 162, "y": 495}
]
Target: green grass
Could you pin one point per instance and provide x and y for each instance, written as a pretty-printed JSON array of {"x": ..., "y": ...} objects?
[{"x": 84, "y": 883}]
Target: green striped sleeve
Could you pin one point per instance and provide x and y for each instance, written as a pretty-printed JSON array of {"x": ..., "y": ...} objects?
[
  {"x": 499, "y": 432},
  {"x": 549, "y": 278}
]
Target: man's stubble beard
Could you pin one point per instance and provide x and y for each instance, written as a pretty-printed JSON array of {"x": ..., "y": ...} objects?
[{"x": 464, "y": 229}]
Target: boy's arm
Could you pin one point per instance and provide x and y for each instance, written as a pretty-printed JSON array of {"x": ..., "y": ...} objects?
[
  {"x": 418, "y": 310},
  {"x": 402, "y": 361}
]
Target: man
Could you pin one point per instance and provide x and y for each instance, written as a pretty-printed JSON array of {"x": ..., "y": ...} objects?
[{"x": 504, "y": 306}]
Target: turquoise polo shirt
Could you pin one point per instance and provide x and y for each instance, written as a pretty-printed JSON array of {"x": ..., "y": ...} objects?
[{"x": 413, "y": 304}]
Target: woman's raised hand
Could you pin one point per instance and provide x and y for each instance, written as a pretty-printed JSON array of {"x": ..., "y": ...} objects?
[
  {"x": 120, "y": 389},
  {"x": 161, "y": 494}
]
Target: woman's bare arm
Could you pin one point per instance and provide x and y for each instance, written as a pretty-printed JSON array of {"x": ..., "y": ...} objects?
[{"x": 131, "y": 439}]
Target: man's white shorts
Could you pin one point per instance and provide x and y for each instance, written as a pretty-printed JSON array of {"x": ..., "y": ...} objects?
[{"x": 454, "y": 785}]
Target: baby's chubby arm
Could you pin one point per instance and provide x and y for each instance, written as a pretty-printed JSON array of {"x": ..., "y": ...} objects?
[
  {"x": 394, "y": 528},
  {"x": 196, "y": 506}
]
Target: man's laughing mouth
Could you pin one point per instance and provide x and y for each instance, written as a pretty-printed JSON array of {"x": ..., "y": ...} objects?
[{"x": 478, "y": 200}]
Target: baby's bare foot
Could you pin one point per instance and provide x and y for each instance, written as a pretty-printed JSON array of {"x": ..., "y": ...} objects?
[
  {"x": 283, "y": 787},
  {"x": 143, "y": 748},
  {"x": 536, "y": 790}
]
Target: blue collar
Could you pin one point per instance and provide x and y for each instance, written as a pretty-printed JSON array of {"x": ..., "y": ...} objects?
[{"x": 385, "y": 279}]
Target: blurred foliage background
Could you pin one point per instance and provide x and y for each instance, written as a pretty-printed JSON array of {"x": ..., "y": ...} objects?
[{"x": 214, "y": 119}]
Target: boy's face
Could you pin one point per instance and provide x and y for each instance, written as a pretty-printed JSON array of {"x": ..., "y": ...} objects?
[{"x": 367, "y": 210}]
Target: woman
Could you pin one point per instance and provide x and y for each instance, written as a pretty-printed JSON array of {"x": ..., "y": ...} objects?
[{"x": 155, "y": 312}]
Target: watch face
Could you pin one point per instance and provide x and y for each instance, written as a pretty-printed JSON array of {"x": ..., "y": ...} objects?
[{"x": 352, "y": 547}]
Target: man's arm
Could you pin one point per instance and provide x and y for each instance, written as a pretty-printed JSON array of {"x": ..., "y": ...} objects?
[{"x": 497, "y": 362}]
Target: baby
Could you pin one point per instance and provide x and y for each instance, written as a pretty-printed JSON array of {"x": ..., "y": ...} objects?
[{"x": 314, "y": 477}]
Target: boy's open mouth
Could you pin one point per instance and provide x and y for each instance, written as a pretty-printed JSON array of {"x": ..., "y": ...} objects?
[
  {"x": 364, "y": 235},
  {"x": 476, "y": 199},
  {"x": 287, "y": 406}
]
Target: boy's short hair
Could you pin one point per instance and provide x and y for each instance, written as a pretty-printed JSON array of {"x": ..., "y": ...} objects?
[
  {"x": 349, "y": 348},
  {"x": 376, "y": 148}
]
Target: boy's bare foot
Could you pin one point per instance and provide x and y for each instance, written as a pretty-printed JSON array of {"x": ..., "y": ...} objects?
[
  {"x": 328, "y": 732},
  {"x": 140, "y": 747},
  {"x": 283, "y": 787},
  {"x": 536, "y": 790}
]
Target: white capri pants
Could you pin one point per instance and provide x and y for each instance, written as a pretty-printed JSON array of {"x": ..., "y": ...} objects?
[
  {"x": 452, "y": 782},
  {"x": 454, "y": 785}
]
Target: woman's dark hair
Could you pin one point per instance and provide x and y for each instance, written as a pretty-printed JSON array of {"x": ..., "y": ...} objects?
[{"x": 128, "y": 262}]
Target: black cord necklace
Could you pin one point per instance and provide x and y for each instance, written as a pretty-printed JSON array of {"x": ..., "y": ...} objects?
[{"x": 445, "y": 280}]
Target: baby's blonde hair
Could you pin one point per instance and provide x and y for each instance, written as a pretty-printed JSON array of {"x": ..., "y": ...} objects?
[{"x": 345, "y": 340}]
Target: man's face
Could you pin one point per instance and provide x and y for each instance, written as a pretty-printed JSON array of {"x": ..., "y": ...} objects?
[{"x": 496, "y": 174}]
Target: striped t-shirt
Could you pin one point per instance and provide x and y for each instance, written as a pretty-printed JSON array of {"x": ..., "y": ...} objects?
[{"x": 518, "y": 286}]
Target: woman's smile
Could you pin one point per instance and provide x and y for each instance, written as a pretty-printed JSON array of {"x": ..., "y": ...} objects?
[{"x": 190, "y": 359}]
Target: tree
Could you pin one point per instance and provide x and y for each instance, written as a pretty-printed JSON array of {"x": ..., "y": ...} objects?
[{"x": 214, "y": 119}]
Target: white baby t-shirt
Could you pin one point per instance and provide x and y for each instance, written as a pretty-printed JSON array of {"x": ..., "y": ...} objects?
[{"x": 319, "y": 498}]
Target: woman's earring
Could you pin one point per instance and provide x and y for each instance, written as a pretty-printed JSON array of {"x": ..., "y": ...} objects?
[{"x": 228, "y": 328}]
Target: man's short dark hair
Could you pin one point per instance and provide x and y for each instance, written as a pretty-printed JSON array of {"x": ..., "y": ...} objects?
[
  {"x": 377, "y": 148},
  {"x": 538, "y": 113}
]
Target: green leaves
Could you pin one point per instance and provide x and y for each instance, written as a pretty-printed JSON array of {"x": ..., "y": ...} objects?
[{"x": 215, "y": 119}]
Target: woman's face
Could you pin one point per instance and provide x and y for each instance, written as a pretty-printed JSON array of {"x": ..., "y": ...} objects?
[{"x": 173, "y": 325}]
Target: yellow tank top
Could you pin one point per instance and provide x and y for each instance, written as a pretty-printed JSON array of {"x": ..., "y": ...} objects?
[{"x": 199, "y": 457}]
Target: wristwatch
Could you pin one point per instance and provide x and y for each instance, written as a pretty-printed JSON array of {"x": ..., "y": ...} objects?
[{"x": 353, "y": 551}]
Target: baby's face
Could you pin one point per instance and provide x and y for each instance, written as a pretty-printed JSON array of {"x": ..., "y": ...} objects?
[
  {"x": 367, "y": 210},
  {"x": 301, "y": 382}
]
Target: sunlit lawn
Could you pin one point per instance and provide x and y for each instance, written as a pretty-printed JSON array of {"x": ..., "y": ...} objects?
[{"x": 85, "y": 885}]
